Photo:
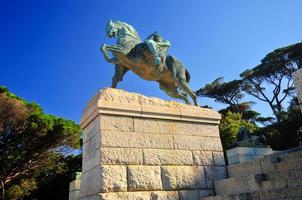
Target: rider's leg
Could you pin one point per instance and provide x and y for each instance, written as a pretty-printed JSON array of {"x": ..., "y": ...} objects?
[{"x": 153, "y": 48}]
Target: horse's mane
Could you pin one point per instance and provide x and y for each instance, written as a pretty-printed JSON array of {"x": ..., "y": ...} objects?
[{"x": 129, "y": 27}]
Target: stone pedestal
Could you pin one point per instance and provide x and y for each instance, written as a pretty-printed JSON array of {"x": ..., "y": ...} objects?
[
  {"x": 136, "y": 147},
  {"x": 243, "y": 154},
  {"x": 297, "y": 75}
]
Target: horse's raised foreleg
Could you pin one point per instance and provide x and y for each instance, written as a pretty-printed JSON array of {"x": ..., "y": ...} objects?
[{"x": 114, "y": 49}]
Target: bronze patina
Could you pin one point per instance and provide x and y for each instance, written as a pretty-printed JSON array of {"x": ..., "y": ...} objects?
[{"x": 148, "y": 59}]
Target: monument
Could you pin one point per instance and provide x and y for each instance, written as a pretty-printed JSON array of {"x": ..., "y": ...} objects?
[
  {"x": 147, "y": 59},
  {"x": 142, "y": 148}
]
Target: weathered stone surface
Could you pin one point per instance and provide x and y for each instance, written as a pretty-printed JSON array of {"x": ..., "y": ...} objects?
[
  {"x": 74, "y": 190},
  {"x": 125, "y": 196},
  {"x": 214, "y": 173},
  {"x": 144, "y": 125},
  {"x": 116, "y": 123},
  {"x": 189, "y": 194},
  {"x": 112, "y": 101},
  {"x": 206, "y": 193},
  {"x": 197, "y": 143},
  {"x": 75, "y": 185},
  {"x": 74, "y": 195},
  {"x": 203, "y": 157},
  {"x": 182, "y": 177},
  {"x": 243, "y": 154},
  {"x": 135, "y": 147},
  {"x": 218, "y": 159},
  {"x": 247, "y": 168},
  {"x": 285, "y": 161},
  {"x": 144, "y": 178},
  {"x": 167, "y": 157},
  {"x": 90, "y": 182},
  {"x": 113, "y": 178},
  {"x": 136, "y": 140},
  {"x": 91, "y": 197},
  {"x": 164, "y": 195},
  {"x": 91, "y": 129},
  {"x": 91, "y": 154},
  {"x": 121, "y": 156}
]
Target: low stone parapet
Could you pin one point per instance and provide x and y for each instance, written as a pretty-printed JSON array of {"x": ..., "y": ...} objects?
[
  {"x": 243, "y": 154},
  {"x": 74, "y": 189},
  {"x": 137, "y": 147}
]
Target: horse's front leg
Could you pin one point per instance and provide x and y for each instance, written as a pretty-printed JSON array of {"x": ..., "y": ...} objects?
[{"x": 104, "y": 49}]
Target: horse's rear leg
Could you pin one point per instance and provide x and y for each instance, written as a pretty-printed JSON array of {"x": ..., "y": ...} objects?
[
  {"x": 183, "y": 85},
  {"x": 186, "y": 89},
  {"x": 172, "y": 92}
]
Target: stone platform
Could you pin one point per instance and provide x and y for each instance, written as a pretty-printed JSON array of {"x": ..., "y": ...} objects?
[
  {"x": 274, "y": 177},
  {"x": 243, "y": 154},
  {"x": 137, "y": 147}
]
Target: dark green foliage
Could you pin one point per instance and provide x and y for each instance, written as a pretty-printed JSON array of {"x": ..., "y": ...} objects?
[
  {"x": 245, "y": 110},
  {"x": 223, "y": 92},
  {"x": 283, "y": 134},
  {"x": 229, "y": 127},
  {"x": 271, "y": 81},
  {"x": 56, "y": 185},
  {"x": 28, "y": 137}
]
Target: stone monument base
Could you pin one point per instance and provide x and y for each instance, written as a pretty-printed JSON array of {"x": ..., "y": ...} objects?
[
  {"x": 243, "y": 154},
  {"x": 136, "y": 147}
]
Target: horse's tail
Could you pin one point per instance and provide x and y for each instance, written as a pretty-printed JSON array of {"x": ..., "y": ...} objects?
[{"x": 188, "y": 76}]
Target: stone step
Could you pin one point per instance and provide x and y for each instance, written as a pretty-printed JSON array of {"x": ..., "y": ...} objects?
[
  {"x": 269, "y": 164},
  {"x": 279, "y": 179},
  {"x": 247, "y": 184},
  {"x": 290, "y": 193}
]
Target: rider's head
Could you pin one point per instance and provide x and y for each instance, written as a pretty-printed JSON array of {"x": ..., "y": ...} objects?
[{"x": 157, "y": 38}]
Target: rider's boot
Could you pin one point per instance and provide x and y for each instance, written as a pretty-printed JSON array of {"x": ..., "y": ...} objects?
[{"x": 158, "y": 67}]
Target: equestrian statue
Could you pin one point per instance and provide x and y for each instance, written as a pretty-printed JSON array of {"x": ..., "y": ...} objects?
[{"x": 147, "y": 59}]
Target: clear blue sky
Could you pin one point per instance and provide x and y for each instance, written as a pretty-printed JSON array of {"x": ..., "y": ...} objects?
[{"x": 49, "y": 49}]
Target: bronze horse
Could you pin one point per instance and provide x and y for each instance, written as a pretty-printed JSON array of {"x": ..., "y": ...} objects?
[{"x": 129, "y": 53}]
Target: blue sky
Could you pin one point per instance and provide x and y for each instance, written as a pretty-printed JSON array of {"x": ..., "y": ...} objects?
[{"x": 49, "y": 49}]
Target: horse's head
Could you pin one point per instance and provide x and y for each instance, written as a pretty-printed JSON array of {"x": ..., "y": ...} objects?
[{"x": 111, "y": 29}]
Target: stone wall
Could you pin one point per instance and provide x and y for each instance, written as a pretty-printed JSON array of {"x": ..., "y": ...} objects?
[
  {"x": 275, "y": 176},
  {"x": 135, "y": 147},
  {"x": 297, "y": 75}
]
